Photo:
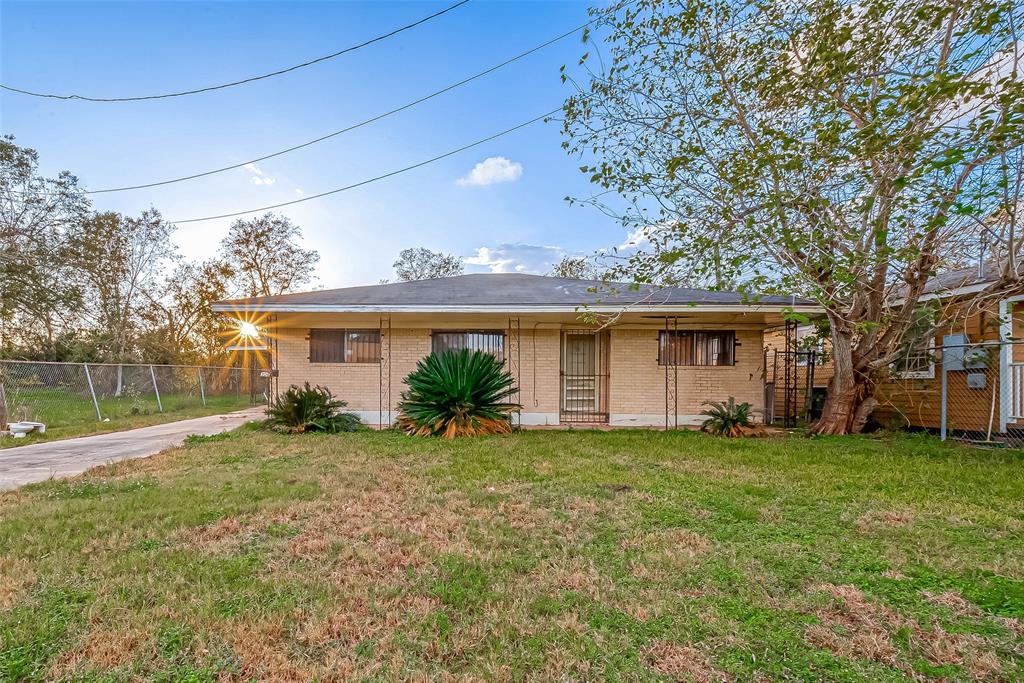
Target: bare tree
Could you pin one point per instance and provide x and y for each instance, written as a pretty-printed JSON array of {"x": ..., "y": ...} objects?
[
  {"x": 266, "y": 257},
  {"x": 121, "y": 261},
  {"x": 844, "y": 150}
]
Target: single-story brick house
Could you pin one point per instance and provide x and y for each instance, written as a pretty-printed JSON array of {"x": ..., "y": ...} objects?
[{"x": 652, "y": 359}]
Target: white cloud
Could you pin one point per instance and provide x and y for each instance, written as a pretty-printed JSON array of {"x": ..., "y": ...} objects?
[
  {"x": 299, "y": 191},
  {"x": 635, "y": 240},
  {"x": 258, "y": 176},
  {"x": 492, "y": 170},
  {"x": 515, "y": 258}
]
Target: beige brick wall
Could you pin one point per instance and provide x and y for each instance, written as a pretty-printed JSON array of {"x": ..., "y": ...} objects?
[
  {"x": 636, "y": 384},
  {"x": 359, "y": 383}
]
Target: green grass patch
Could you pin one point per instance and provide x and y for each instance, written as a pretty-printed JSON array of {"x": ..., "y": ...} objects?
[{"x": 626, "y": 555}]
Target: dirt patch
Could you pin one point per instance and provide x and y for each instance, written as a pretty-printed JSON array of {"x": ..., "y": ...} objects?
[{"x": 681, "y": 662}]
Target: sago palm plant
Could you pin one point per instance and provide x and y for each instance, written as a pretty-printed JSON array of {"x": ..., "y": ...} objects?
[
  {"x": 727, "y": 419},
  {"x": 310, "y": 409},
  {"x": 458, "y": 393}
]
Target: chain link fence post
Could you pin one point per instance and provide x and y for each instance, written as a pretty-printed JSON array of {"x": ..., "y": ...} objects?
[
  {"x": 156, "y": 390},
  {"x": 92, "y": 392},
  {"x": 202, "y": 387}
]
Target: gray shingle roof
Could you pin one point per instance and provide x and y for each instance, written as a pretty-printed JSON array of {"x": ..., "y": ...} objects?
[
  {"x": 961, "y": 277},
  {"x": 503, "y": 290}
]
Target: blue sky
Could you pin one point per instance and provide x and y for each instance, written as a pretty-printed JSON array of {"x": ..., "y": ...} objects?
[{"x": 132, "y": 48}]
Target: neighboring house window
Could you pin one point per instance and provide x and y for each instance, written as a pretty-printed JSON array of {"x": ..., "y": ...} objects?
[
  {"x": 916, "y": 361},
  {"x": 487, "y": 341},
  {"x": 807, "y": 339},
  {"x": 344, "y": 346},
  {"x": 686, "y": 347}
]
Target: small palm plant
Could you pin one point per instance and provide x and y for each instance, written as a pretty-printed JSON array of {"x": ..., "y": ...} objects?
[
  {"x": 310, "y": 409},
  {"x": 458, "y": 393},
  {"x": 727, "y": 419}
]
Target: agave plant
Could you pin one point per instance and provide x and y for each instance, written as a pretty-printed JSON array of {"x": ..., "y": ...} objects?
[
  {"x": 727, "y": 419},
  {"x": 310, "y": 409},
  {"x": 458, "y": 393}
]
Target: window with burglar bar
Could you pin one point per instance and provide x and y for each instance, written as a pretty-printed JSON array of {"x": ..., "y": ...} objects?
[
  {"x": 488, "y": 341},
  {"x": 691, "y": 347},
  {"x": 344, "y": 346}
]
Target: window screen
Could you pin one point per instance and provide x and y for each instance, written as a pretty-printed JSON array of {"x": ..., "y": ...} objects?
[
  {"x": 688, "y": 347},
  {"x": 344, "y": 346},
  {"x": 487, "y": 341}
]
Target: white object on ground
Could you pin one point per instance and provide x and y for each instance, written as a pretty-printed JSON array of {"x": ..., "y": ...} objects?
[{"x": 21, "y": 429}]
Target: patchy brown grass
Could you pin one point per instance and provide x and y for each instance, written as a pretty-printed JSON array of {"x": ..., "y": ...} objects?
[
  {"x": 681, "y": 662},
  {"x": 15, "y": 577}
]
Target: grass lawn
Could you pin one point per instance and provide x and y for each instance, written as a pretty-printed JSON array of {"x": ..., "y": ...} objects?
[
  {"x": 624, "y": 555},
  {"x": 65, "y": 418}
]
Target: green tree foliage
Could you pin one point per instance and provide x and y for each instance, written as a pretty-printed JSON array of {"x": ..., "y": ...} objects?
[
  {"x": 423, "y": 264},
  {"x": 841, "y": 150},
  {"x": 39, "y": 293},
  {"x": 458, "y": 393},
  {"x": 81, "y": 285}
]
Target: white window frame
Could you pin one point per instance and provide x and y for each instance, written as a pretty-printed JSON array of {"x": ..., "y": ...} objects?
[{"x": 920, "y": 374}]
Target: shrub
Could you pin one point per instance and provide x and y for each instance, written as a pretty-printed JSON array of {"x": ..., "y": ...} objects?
[
  {"x": 457, "y": 393},
  {"x": 728, "y": 419},
  {"x": 310, "y": 409}
]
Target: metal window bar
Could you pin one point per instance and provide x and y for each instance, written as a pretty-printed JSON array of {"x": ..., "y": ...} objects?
[
  {"x": 488, "y": 341},
  {"x": 696, "y": 347}
]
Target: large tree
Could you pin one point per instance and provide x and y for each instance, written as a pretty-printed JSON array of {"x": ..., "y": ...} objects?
[
  {"x": 845, "y": 150},
  {"x": 423, "y": 264},
  {"x": 266, "y": 256},
  {"x": 39, "y": 293}
]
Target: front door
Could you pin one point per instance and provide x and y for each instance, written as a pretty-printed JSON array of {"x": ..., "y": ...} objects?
[{"x": 583, "y": 377}]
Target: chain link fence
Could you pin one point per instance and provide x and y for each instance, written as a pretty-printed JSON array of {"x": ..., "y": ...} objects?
[
  {"x": 966, "y": 391},
  {"x": 65, "y": 394}
]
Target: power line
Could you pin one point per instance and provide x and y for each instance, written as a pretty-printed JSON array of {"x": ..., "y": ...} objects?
[
  {"x": 375, "y": 178},
  {"x": 354, "y": 126},
  {"x": 245, "y": 80}
]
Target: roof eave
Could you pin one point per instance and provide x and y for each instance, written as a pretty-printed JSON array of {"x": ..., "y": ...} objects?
[{"x": 243, "y": 307}]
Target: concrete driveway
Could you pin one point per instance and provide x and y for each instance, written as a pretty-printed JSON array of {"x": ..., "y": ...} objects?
[{"x": 58, "y": 459}]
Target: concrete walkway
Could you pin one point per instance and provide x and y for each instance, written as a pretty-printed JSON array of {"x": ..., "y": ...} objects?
[{"x": 58, "y": 459}]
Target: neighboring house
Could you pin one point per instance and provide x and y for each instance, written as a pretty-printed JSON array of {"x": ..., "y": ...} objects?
[
  {"x": 655, "y": 357},
  {"x": 971, "y": 320}
]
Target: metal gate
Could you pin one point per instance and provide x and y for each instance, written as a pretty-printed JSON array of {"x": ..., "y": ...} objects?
[{"x": 584, "y": 376}]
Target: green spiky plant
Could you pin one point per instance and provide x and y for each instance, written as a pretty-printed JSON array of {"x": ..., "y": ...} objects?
[
  {"x": 310, "y": 409},
  {"x": 728, "y": 419},
  {"x": 458, "y": 393}
]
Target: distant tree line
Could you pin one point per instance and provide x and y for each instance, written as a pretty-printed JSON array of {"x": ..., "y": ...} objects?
[{"x": 78, "y": 284}]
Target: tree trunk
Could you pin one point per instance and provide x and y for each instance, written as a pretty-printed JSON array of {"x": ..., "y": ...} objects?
[{"x": 850, "y": 400}]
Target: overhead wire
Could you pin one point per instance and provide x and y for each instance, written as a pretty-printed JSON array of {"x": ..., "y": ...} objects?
[
  {"x": 354, "y": 126},
  {"x": 374, "y": 179},
  {"x": 196, "y": 91}
]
